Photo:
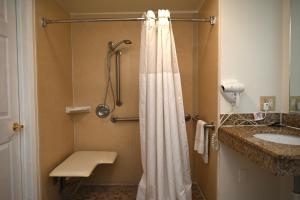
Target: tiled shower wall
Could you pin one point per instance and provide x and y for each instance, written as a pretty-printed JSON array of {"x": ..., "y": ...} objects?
[
  {"x": 89, "y": 49},
  {"x": 54, "y": 90}
]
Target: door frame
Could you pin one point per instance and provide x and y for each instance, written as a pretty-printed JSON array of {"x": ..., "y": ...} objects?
[{"x": 28, "y": 98}]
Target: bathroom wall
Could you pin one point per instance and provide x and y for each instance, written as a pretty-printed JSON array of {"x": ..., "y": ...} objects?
[
  {"x": 251, "y": 50},
  {"x": 207, "y": 94},
  {"x": 54, "y": 86},
  {"x": 89, "y": 47}
]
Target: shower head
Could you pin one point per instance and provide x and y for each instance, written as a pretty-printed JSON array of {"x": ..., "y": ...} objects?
[{"x": 112, "y": 46}]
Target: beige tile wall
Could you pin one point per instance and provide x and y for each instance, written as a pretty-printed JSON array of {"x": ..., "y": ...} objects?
[
  {"x": 208, "y": 99},
  {"x": 54, "y": 76},
  {"x": 89, "y": 46}
]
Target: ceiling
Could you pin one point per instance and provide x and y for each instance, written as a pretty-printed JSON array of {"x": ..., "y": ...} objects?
[{"x": 104, "y": 6}]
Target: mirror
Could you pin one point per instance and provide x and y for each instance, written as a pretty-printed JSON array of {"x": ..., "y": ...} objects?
[{"x": 295, "y": 56}]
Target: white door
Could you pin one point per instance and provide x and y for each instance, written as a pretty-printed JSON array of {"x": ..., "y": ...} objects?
[{"x": 10, "y": 160}]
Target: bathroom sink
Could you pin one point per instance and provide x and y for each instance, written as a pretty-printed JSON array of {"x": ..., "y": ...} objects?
[{"x": 279, "y": 138}]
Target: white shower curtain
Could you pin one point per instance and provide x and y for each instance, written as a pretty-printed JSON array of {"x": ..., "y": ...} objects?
[{"x": 165, "y": 152}]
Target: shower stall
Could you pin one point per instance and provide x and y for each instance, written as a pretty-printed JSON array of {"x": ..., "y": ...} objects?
[{"x": 91, "y": 58}]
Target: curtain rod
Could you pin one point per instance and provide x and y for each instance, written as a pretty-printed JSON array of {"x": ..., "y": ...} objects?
[{"x": 45, "y": 21}]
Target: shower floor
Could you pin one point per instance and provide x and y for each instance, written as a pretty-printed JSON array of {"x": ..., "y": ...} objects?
[{"x": 117, "y": 193}]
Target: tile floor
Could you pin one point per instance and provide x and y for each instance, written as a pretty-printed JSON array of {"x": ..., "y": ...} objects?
[{"x": 117, "y": 193}]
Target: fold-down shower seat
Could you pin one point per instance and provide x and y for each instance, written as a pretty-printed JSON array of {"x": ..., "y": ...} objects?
[{"x": 82, "y": 164}]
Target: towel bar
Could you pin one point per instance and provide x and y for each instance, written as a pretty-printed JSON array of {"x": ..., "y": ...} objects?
[{"x": 208, "y": 125}]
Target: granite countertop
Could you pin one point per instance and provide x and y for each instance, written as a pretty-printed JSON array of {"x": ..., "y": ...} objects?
[{"x": 280, "y": 159}]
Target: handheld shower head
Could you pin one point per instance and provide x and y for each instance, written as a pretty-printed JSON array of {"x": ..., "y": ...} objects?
[{"x": 113, "y": 46}]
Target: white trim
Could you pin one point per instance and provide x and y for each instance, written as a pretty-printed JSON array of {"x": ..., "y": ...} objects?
[{"x": 28, "y": 99}]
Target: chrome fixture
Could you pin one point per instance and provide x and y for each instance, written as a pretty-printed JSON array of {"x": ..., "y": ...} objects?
[
  {"x": 114, "y": 50},
  {"x": 115, "y": 119},
  {"x": 103, "y": 110},
  {"x": 187, "y": 117},
  {"x": 211, "y": 125},
  {"x": 118, "y": 78},
  {"x": 113, "y": 46},
  {"x": 44, "y": 21}
]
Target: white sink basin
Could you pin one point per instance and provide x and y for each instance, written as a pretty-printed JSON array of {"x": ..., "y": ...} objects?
[{"x": 279, "y": 138}]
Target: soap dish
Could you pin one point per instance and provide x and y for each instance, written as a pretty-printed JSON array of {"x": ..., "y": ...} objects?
[{"x": 78, "y": 109}]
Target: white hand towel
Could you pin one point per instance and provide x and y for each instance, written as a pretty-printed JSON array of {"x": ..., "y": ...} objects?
[{"x": 201, "y": 140}]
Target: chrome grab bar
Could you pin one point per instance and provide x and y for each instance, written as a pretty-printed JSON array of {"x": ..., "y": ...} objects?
[
  {"x": 118, "y": 78},
  {"x": 115, "y": 119},
  {"x": 188, "y": 117}
]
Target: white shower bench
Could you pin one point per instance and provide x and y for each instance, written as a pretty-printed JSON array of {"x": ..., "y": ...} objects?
[{"x": 81, "y": 164}]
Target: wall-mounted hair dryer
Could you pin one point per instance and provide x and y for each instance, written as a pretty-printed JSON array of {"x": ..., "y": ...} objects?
[{"x": 231, "y": 89}]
